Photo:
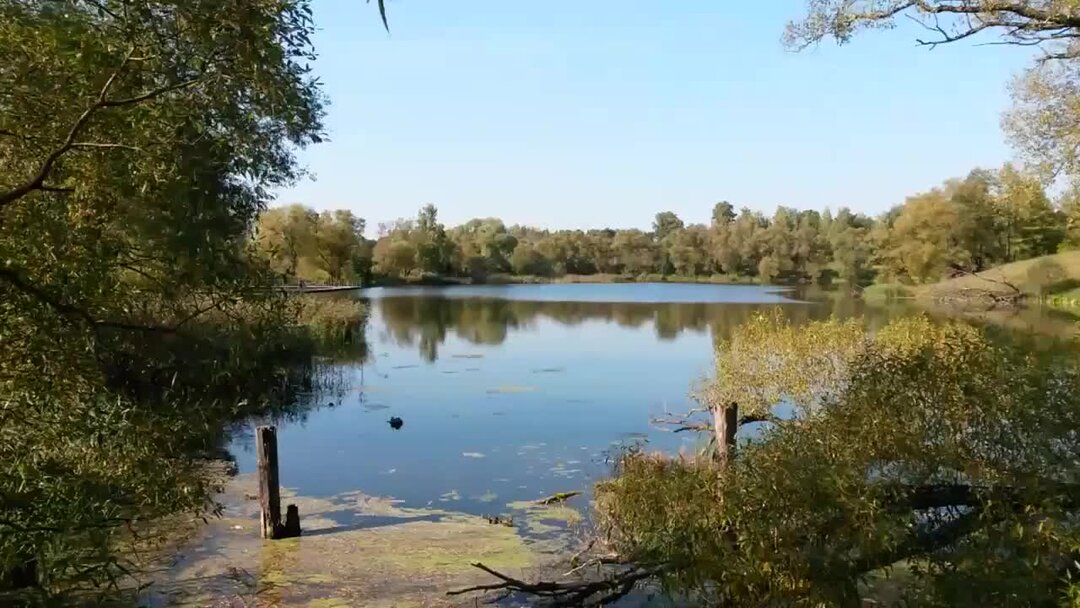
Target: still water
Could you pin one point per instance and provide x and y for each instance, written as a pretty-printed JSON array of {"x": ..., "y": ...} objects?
[{"x": 513, "y": 393}]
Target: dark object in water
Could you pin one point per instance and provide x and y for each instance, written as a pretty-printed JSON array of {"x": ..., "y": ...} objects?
[
  {"x": 500, "y": 521},
  {"x": 396, "y": 423},
  {"x": 557, "y": 498}
]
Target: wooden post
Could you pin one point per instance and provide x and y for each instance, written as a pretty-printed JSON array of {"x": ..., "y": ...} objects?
[
  {"x": 725, "y": 425},
  {"x": 269, "y": 489},
  {"x": 292, "y": 522}
]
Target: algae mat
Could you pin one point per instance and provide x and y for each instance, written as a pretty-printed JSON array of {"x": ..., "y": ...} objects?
[{"x": 356, "y": 550}]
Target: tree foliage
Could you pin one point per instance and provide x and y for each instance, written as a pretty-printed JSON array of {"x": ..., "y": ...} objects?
[
  {"x": 301, "y": 244},
  {"x": 965, "y": 225},
  {"x": 138, "y": 142},
  {"x": 933, "y": 452}
]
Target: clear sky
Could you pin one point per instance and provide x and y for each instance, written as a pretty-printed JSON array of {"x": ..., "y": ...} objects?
[{"x": 601, "y": 113}]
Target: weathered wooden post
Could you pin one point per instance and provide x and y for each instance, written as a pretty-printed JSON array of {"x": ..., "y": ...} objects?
[
  {"x": 270, "y": 488},
  {"x": 725, "y": 425}
]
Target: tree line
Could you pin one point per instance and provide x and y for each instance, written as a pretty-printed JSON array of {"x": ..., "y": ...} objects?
[{"x": 968, "y": 224}]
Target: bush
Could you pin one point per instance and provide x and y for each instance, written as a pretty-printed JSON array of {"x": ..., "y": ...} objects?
[{"x": 936, "y": 448}]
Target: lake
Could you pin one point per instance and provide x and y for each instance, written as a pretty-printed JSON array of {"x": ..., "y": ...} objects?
[
  {"x": 507, "y": 395},
  {"x": 512, "y": 393}
]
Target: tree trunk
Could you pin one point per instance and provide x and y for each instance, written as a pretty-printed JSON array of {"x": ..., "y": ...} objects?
[{"x": 725, "y": 425}]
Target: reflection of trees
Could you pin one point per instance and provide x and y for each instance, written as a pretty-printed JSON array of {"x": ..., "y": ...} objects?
[{"x": 426, "y": 321}]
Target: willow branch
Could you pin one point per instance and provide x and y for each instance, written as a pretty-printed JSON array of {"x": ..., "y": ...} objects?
[
  {"x": 37, "y": 181},
  {"x": 26, "y": 286}
]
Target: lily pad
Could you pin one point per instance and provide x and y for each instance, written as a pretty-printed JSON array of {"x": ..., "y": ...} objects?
[{"x": 511, "y": 389}]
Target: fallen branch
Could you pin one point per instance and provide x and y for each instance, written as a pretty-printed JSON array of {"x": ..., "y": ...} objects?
[{"x": 569, "y": 593}]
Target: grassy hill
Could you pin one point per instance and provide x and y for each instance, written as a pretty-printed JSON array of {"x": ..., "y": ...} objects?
[{"x": 1053, "y": 278}]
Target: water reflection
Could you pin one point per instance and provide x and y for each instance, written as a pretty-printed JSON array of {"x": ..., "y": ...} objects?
[{"x": 426, "y": 322}]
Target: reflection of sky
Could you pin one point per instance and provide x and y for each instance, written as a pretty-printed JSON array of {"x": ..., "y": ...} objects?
[{"x": 531, "y": 416}]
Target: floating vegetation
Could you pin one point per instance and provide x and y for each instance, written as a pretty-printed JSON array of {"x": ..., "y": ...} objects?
[
  {"x": 486, "y": 497},
  {"x": 374, "y": 407},
  {"x": 472, "y": 369},
  {"x": 549, "y": 370},
  {"x": 473, "y": 455},
  {"x": 546, "y": 514},
  {"x": 449, "y": 371},
  {"x": 511, "y": 389},
  {"x": 409, "y": 559},
  {"x": 414, "y": 366},
  {"x": 468, "y": 356},
  {"x": 450, "y": 496}
]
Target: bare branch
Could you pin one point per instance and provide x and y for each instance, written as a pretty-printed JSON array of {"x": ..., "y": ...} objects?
[
  {"x": 570, "y": 593},
  {"x": 752, "y": 418},
  {"x": 113, "y": 103}
]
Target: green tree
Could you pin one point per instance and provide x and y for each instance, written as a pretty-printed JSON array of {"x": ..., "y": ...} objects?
[
  {"x": 848, "y": 236},
  {"x": 925, "y": 240},
  {"x": 139, "y": 140},
  {"x": 723, "y": 213},
  {"x": 434, "y": 250},
  {"x": 822, "y": 502},
  {"x": 340, "y": 245},
  {"x": 394, "y": 257},
  {"x": 526, "y": 260},
  {"x": 666, "y": 224},
  {"x": 688, "y": 250}
]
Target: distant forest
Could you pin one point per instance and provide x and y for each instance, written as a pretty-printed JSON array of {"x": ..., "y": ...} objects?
[{"x": 967, "y": 224}]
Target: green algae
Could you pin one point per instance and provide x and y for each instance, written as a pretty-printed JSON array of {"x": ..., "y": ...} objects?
[
  {"x": 554, "y": 513},
  {"x": 397, "y": 561}
]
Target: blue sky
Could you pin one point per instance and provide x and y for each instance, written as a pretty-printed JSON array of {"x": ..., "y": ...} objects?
[{"x": 602, "y": 113}]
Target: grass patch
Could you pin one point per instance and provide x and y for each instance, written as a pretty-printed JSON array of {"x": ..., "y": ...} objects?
[{"x": 1048, "y": 278}]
